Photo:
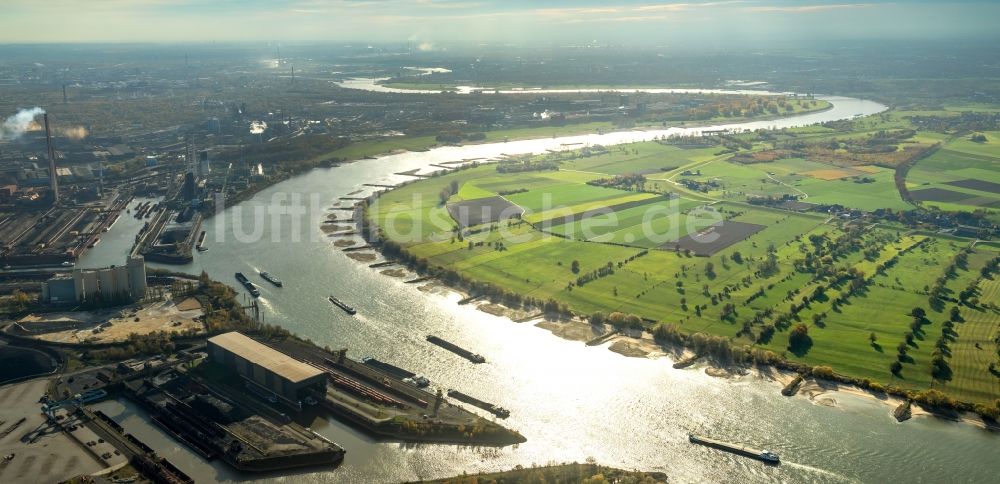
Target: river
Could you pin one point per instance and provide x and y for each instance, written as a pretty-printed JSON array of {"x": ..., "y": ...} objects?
[{"x": 570, "y": 401}]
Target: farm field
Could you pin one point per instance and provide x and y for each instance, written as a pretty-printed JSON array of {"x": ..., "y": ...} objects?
[
  {"x": 618, "y": 230},
  {"x": 963, "y": 175},
  {"x": 865, "y": 188}
]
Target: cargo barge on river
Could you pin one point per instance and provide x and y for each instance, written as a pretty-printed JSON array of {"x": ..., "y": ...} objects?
[
  {"x": 201, "y": 242},
  {"x": 270, "y": 278},
  {"x": 251, "y": 288},
  {"x": 489, "y": 407},
  {"x": 763, "y": 455},
  {"x": 340, "y": 304},
  {"x": 458, "y": 350}
]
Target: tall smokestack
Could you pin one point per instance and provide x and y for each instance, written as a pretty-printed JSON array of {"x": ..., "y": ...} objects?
[
  {"x": 53, "y": 182},
  {"x": 64, "y": 94}
]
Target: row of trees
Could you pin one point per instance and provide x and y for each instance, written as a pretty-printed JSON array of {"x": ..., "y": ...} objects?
[
  {"x": 448, "y": 191},
  {"x": 629, "y": 182},
  {"x": 618, "y": 320}
]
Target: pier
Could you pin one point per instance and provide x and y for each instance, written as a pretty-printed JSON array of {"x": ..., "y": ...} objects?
[
  {"x": 470, "y": 299},
  {"x": 792, "y": 387},
  {"x": 602, "y": 338},
  {"x": 686, "y": 362}
]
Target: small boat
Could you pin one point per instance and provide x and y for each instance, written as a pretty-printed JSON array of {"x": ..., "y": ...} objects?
[
  {"x": 340, "y": 304},
  {"x": 269, "y": 278}
]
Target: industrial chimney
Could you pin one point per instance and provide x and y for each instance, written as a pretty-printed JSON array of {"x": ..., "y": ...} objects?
[{"x": 53, "y": 181}]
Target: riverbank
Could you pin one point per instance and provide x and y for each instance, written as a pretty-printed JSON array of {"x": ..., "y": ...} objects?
[
  {"x": 824, "y": 392},
  {"x": 641, "y": 344},
  {"x": 557, "y": 473}
]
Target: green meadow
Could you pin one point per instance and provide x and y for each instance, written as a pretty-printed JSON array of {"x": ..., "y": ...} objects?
[{"x": 800, "y": 268}]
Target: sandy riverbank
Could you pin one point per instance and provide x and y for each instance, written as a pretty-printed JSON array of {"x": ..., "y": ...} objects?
[
  {"x": 824, "y": 392},
  {"x": 635, "y": 345},
  {"x": 820, "y": 392},
  {"x": 574, "y": 330},
  {"x": 332, "y": 228},
  {"x": 362, "y": 256},
  {"x": 395, "y": 272}
]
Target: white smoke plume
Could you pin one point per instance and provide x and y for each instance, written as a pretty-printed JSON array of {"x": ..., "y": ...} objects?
[
  {"x": 257, "y": 127},
  {"x": 25, "y": 120},
  {"x": 14, "y": 126}
]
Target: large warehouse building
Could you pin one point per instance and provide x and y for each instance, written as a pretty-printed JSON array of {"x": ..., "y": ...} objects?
[{"x": 266, "y": 367}]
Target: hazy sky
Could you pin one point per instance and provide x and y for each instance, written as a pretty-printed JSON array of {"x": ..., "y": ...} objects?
[{"x": 431, "y": 22}]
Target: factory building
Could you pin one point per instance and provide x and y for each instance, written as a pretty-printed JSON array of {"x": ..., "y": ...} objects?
[
  {"x": 60, "y": 289},
  {"x": 266, "y": 368},
  {"x": 93, "y": 286}
]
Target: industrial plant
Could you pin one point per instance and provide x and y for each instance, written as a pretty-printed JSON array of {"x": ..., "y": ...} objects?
[
  {"x": 115, "y": 284},
  {"x": 267, "y": 370}
]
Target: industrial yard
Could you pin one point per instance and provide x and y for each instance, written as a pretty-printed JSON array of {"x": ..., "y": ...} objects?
[
  {"x": 216, "y": 424},
  {"x": 383, "y": 404},
  {"x": 181, "y": 317},
  {"x": 236, "y": 399},
  {"x": 54, "y": 236},
  {"x": 41, "y": 451}
]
